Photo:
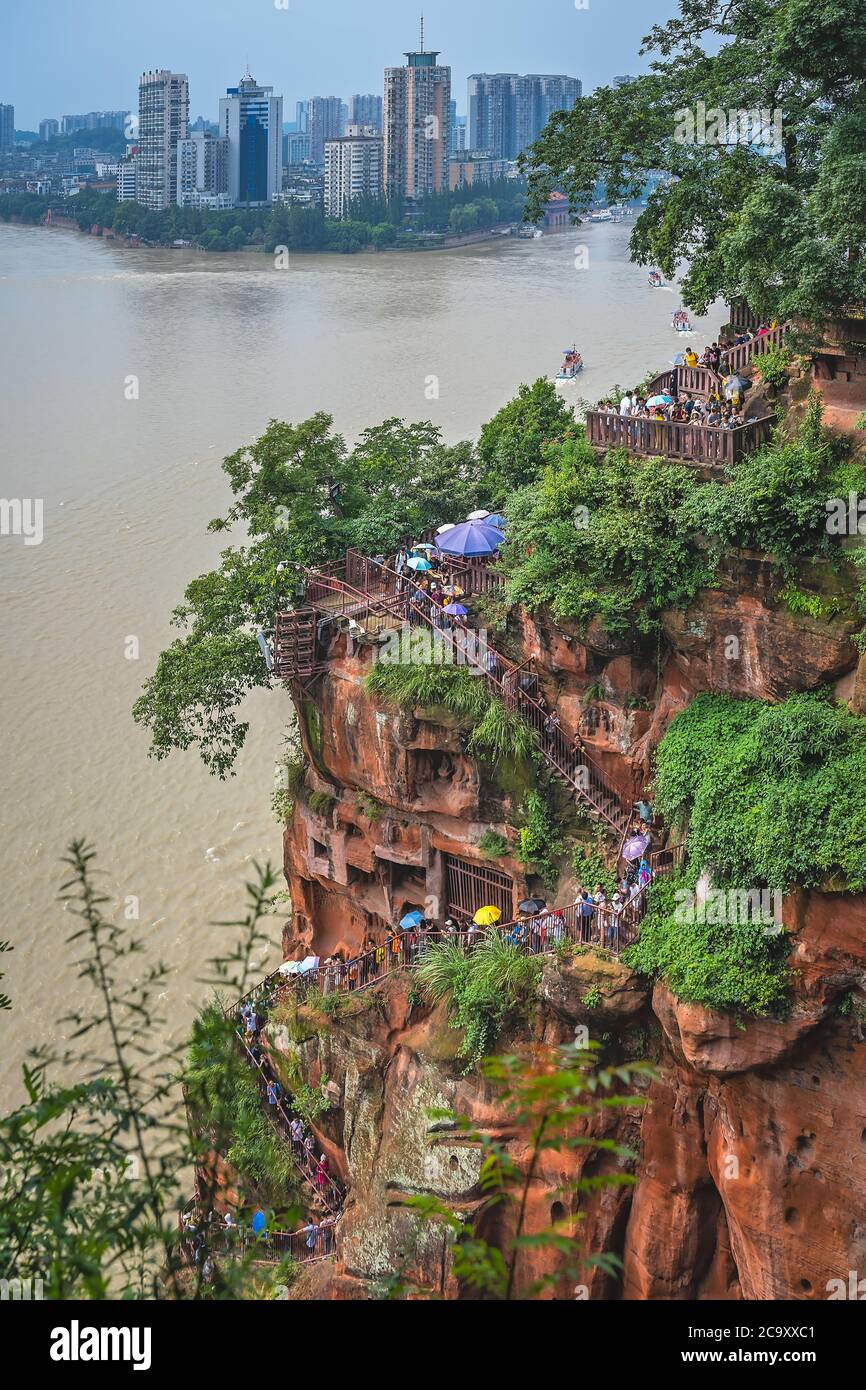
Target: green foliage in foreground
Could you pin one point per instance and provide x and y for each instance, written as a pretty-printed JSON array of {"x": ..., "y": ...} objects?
[
  {"x": 775, "y": 795},
  {"x": 93, "y": 1157},
  {"x": 228, "y": 1102},
  {"x": 563, "y": 1102},
  {"x": 482, "y": 988},
  {"x": 734, "y": 965}
]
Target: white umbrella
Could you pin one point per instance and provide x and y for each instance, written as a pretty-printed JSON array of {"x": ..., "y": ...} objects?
[
  {"x": 477, "y": 516},
  {"x": 300, "y": 967},
  {"x": 449, "y": 526}
]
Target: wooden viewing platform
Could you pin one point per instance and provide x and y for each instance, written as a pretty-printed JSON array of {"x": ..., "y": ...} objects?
[{"x": 703, "y": 444}]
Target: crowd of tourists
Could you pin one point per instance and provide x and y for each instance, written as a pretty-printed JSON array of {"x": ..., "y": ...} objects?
[
  {"x": 226, "y": 1233},
  {"x": 722, "y": 409},
  {"x": 253, "y": 1015}
]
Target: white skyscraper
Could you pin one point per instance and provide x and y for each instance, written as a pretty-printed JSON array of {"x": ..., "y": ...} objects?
[
  {"x": 202, "y": 171},
  {"x": 251, "y": 119},
  {"x": 353, "y": 169},
  {"x": 163, "y": 119},
  {"x": 126, "y": 181}
]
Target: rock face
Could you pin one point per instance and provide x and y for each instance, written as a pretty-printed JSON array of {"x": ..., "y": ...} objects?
[
  {"x": 388, "y": 1063},
  {"x": 751, "y": 1152}
]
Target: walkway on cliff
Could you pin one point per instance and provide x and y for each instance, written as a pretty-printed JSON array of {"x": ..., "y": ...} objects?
[
  {"x": 544, "y": 933},
  {"x": 375, "y": 596}
]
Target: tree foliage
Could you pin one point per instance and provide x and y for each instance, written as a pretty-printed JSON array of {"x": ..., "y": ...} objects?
[
  {"x": 774, "y": 795},
  {"x": 781, "y": 223}
]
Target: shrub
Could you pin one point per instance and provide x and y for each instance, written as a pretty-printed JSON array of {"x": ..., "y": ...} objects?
[
  {"x": 321, "y": 803},
  {"x": 492, "y": 845},
  {"x": 775, "y": 794},
  {"x": 482, "y": 988},
  {"x": 722, "y": 966},
  {"x": 540, "y": 841},
  {"x": 773, "y": 366},
  {"x": 309, "y": 1102},
  {"x": 590, "y": 868}
]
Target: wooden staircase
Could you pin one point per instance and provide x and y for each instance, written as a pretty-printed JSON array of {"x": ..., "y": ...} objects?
[{"x": 295, "y": 644}]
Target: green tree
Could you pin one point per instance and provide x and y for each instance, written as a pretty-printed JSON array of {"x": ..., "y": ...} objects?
[
  {"x": 779, "y": 220},
  {"x": 511, "y": 444}
]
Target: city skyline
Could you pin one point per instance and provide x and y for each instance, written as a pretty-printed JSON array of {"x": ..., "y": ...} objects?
[{"x": 298, "y": 48}]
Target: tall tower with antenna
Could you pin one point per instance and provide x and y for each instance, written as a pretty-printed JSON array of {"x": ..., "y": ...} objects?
[{"x": 416, "y": 121}]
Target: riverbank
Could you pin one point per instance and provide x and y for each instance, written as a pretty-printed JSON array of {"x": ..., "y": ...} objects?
[{"x": 432, "y": 241}]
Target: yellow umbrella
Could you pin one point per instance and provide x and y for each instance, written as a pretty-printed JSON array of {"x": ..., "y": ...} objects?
[{"x": 486, "y": 916}]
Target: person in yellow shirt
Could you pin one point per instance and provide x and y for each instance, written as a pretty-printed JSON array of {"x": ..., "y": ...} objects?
[{"x": 691, "y": 358}]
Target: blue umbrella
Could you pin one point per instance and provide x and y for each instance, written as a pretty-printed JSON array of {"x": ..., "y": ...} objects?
[
  {"x": 471, "y": 538},
  {"x": 679, "y": 360},
  {"x": 416, "y": 563},
  {"x": 456, "y": 610},
  {"x": 259, "y": 1223},
  {"x": 497, "y": 520},
  {"x": 412, "y": 919}
]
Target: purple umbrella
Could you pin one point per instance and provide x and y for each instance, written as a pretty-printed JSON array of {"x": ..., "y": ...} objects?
[
  {"x": 634, "y": 848},
  {"x": 456, "y": 610},
  {"x": 471, "y": 538}
]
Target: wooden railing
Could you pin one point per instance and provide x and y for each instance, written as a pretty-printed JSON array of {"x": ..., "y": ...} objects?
[
  {"x": 707, "y": 444},
  {"x": 736, "y": 358}
]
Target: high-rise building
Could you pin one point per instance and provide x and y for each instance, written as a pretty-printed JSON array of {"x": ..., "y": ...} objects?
[
  {"x": 94, "y": 120},
  {"x": 296, "y": 147},
  {"x": 416, "y": 120},
  {"x": 366, "y": 111},
  {"x": 471, "y": 167},
  {"x": 251, "y": 119},
  {"x": 301, "y": 112},
  {"x": 353, "y": 169},
  {"x": 507, "y": 111},
  {"x": 48, "y": 128},
  {"x": 325, "y": 121},
  {"x": 7, "y": 127},
  {"x": 202, "y": 170},
  {"x": 126, "y": 192},
  {"x": 163, "y": 120}
]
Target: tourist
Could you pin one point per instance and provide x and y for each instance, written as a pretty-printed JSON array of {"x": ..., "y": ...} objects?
[
  {"x": 551, "y": 728},
  {"x": 321, "y": 1173},
  {"x": 626, "y": 405},
  {"x": 273, "y": 1089},
  {"x": 311, "y": 1231},
  {"x": 296, "y": 1133},
  {"x": 691, "y": 357}
]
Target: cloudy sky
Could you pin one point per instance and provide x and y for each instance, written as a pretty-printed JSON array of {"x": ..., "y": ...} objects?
[{"x": 83, "y": 55}]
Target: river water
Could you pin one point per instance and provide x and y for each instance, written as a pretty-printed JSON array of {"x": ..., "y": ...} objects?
[{"x": 219, "y": 345}]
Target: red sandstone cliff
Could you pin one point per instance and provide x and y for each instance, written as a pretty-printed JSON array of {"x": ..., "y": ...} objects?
[{"x": 751, "y": 1175}]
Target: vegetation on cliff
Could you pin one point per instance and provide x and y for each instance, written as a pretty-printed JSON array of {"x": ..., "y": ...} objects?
[
  {"x": 618, "y": 539},
  {"x": 774, "y": 794},
  {"x": 733, "y": 964},
  {"x": 775, "y": 215},
  {"x": 482, "y": 988}
]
